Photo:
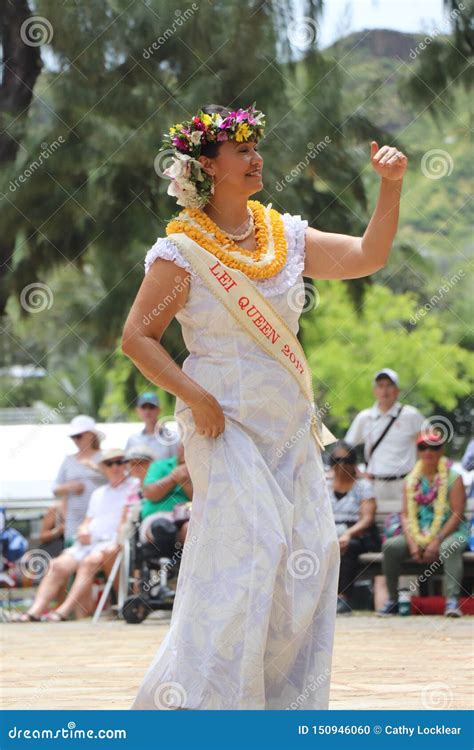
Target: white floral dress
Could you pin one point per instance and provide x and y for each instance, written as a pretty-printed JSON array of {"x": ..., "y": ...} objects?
[{"x": 253, "y": 620}]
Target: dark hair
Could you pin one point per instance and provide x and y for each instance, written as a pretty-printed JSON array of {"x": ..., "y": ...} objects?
[
  {"x": 212, "y": 149},
  {"x": 351, "y": 451}
]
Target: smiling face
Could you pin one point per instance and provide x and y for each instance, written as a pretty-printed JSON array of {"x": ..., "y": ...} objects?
[{"x": 237, "y": 168}]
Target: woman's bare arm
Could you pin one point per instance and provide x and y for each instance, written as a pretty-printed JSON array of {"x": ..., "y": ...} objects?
[
  {"x": 342, "y": 256},
  {"x": 367, "y": 517},
  {"x": 457, "y": 501},
  {"x": 49, "y": 529},
  {"x": 163, "y": 292}
]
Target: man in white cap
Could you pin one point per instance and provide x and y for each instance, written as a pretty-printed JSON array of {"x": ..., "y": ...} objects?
[{"x": 388, "y": 432}]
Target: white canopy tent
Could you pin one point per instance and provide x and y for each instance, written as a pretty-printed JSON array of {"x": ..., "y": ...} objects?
[{"x": 30, "y": 456}]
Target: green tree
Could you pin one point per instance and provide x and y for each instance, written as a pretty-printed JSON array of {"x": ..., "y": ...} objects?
[
  {"x": 345, "y": 349},
  {"x": 443, "y": 63}
]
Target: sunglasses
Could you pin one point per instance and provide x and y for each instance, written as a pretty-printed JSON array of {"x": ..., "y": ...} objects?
[
  {"x": 341, "y": 460},
  {"x": 78, "y": 436},
  {"x": 425, "y": 447},
  {"x": 148, "y": 406},
  {"x": 114, "y": 462}
]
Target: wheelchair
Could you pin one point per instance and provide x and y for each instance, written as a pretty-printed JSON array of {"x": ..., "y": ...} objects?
[{"x": 147, "y": 570}]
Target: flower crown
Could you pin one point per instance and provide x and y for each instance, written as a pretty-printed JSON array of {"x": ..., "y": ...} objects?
[{"x": 190, "y": 184}]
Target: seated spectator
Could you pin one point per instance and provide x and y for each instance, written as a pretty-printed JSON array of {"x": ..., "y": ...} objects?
[
  {"x": 95, "y": 547},
  {"x": 467, "y": 463},
  {"x": 166, "y": 486},
  {"x": 137, "y": 462},
  {"x": 162, "y": 442},
  {"x": 51, "y": 536},
  {"x": 13, "y": 546},
  {"x": 354, "y": 506},
  {"x": 433, "y": 524}
]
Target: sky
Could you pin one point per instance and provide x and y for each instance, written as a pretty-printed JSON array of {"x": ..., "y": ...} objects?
[{"x": 342, "y": 17}]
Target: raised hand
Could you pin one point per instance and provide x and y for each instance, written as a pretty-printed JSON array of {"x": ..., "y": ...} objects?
[{"x": 388, "y": 161}]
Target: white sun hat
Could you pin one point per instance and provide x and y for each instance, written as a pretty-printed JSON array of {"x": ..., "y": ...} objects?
[{"x": 82, "y": 423}]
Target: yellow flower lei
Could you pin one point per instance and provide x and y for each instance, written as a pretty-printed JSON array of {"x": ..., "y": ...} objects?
[
  {"x": 440, "y": 504},
  {"x": 270, "y": 255}
]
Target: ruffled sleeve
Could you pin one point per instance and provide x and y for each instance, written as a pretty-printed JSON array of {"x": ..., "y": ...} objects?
[
  {"x": 295, "y": 228},
  {"x": 165, "y": 248}
]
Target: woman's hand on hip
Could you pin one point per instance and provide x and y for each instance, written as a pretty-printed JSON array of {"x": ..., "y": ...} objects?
[{"x": 208, "y": 416}]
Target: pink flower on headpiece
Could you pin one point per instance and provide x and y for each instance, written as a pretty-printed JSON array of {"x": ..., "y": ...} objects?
[
  {"x": 222, "y": 136},
  {"x": 180, "y": 143},
  {"x": 241, "y": 115}
]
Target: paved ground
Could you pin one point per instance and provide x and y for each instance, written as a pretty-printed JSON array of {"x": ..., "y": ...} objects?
[{"x": 395, "y": 663}]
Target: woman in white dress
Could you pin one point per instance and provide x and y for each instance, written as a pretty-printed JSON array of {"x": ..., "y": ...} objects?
[{"x": 253, "y": 620}]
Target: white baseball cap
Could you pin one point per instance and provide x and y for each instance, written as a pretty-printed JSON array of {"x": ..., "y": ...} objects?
[
  {"x": 82, "y": 423},
  {"x": 391, "y": 374}
]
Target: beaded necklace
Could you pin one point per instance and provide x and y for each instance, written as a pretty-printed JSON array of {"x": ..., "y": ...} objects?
[{"x": 271, "y": 247}]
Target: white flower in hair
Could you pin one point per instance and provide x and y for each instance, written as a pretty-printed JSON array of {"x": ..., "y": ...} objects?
[
  {"x": 196, "y": 137},
  {"x": 185, "y": 193},
  {"x": 184, "y": 172},
  {"x": 180, "y": 167}
]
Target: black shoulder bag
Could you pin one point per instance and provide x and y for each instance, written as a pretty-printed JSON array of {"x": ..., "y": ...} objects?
[{"x": 377, "y": 442}]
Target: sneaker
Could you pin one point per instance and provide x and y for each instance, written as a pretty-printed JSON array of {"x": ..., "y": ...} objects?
[
  {"x": 389, "y": 608},
  {"x": 343, "y": 606},
  {"x": 452, "y": 608}
]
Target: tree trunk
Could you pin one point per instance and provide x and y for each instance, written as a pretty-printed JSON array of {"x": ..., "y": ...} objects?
[{"x": 21, "y": 66}]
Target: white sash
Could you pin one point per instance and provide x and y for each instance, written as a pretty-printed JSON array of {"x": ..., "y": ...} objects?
[{"x": 254, "y": 313}]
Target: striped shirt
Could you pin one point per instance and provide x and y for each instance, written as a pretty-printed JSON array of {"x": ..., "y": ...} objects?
[
  {"x": 76, "y": 505},
  {"x": 347, "y": 508}
]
